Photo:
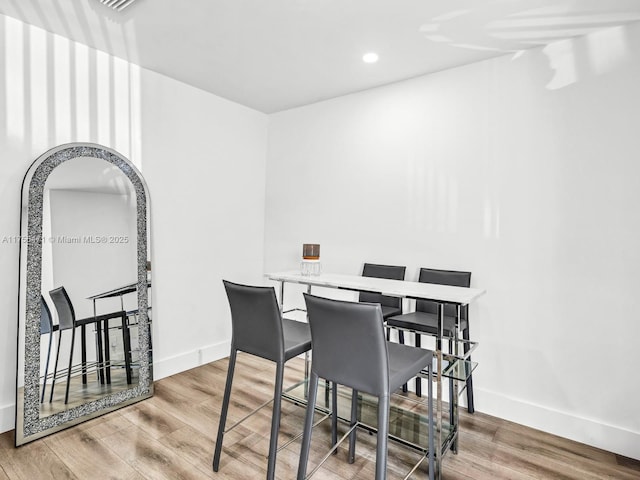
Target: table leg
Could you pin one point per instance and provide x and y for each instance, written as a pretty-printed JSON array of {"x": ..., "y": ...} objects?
[
  {"x": 418, "y": 343},
  {"x": 98, "y": 332},
  {"x": 83, "y": 346},
  {"x": 469, "y": 382},
  {"x": 281, "y": 298},
  {"x": 450, "y": 382},
  {"x": 126, "y": 341},
  {"x": 454, "y": 381},
  {"x": 107, "y": 353},
  {"x": 439, "y": 366},
  {"x": 307, "y": 363}
]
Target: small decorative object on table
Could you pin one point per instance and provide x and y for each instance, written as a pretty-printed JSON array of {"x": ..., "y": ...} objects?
[{"x": 310, "y": 264}]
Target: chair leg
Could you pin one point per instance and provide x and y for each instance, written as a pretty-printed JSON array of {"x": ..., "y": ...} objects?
[
  {"x": 55, "y": 367},
  {"x": 354, "y": 420},
  {"x": 418, "y": 343},
  {"x": 327, "y": 387},
  {"x": 405, "y": 389},
  {"x": 334, "y": 415},
  {"x": 470, "y": 405},
  {"x": 126, "y": 342},
  {"x": 225, "y": 408},
  {"x": 275, "y": 421},
  {"x": 383, "y": 433},
  {"x": 46, "y": 368},
  {"x": 83, "y": 351},
  {"x": 73, "y": 340},
  {"x": 308, "y": 427},
  {"x": 105, "y": 360}
]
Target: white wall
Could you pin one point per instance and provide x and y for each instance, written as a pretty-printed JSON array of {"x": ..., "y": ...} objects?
[
  {"x": 519, "y": 169},
  {"x": 204, "y": 162},
  {"x": 523, "y": 169}
]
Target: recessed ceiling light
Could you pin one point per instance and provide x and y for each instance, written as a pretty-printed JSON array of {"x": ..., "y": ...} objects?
[{"x": 370, "y": 57}]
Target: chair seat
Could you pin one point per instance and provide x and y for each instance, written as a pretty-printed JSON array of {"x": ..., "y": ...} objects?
[
  {"x": 297, "y": 338},
  {"x": 426, "y": 323},
  {"x": 405, "y": 362},
  {"x": 390, "y": 311}
]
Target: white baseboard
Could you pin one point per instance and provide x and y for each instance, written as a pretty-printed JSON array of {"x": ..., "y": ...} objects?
[
  {"x": 187, "y": 360},
  {"x": 564, "y": 424},
  {"x": 7, "y": 418}
]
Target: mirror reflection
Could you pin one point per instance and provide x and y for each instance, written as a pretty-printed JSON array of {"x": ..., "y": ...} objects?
[
  {"x": 89, "y": 344},
  {"x": 84, "y": 327}
]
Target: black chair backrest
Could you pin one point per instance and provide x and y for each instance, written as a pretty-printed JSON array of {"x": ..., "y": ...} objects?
[
  {"x": 66, "y": 314},
  {"x": 46, "y": 322},
  {"x": 382, "y": 271},
  {"x": 256, "y": 320},
  {"x": 443, "y": 277},
  {"x": 348, "y": 343}
]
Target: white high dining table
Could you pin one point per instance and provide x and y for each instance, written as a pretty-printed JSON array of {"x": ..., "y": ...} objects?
[{"x": 442, "y": 294}]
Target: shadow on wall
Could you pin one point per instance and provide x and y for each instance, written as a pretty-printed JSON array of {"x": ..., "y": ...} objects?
[
  {"x": 88, "y": 21},
  {"x": 56, "y": 91},
  {"x": 543, "y": 25},
  {"x": 52, "y": 91},
  {"x": 602, "y": 52}
]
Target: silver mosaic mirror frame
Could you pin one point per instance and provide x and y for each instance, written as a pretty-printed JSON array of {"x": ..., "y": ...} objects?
[{"x": 29, "y": 425}]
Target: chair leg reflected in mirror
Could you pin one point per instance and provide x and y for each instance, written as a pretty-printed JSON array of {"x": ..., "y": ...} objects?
[{"x": 46, "y": 328}]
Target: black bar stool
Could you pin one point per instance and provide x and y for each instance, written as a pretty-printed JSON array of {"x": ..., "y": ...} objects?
[
  {"x": 425, "y": 319},
  {"x": 259, "y": 329},
  {"x": 350, "y": 349}
]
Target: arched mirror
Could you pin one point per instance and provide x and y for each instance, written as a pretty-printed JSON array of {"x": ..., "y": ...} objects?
[{"x": 84, "y": 336}]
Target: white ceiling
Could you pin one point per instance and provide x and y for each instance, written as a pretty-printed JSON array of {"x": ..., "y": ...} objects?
[{"x": 272, "y": 55}]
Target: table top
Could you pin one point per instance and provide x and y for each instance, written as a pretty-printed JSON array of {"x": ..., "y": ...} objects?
[
  {"x": 116, "y": 292},
  {"x": 393, "y": 288}
]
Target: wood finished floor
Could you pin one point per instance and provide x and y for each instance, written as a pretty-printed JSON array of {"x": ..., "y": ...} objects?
[{"x": 172, "y": 436}]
